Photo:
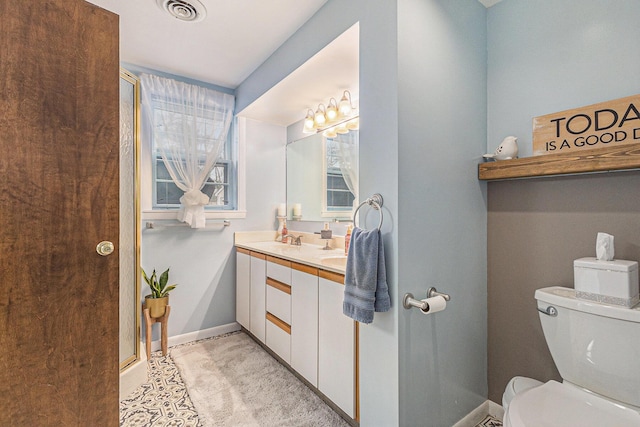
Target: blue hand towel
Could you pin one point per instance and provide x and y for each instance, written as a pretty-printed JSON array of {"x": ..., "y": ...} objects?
[{"x": 365, "y": 281}]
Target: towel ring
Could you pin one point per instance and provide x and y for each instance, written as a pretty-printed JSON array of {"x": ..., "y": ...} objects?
[{"x": 376, "y": 202}]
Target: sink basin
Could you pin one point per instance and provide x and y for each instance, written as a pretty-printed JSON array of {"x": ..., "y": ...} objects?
[
  {"x": 334, "y": 261},
  {"x": 290, "y": 249}
]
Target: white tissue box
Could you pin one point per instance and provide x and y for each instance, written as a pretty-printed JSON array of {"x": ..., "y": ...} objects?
[{"x": 609, "y": 282}]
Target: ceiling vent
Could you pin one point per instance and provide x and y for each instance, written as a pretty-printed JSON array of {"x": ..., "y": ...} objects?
[{"x": 189, "y": 11}]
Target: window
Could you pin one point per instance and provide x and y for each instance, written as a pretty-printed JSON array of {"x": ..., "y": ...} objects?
[
  {"x": 339, "y": 198},
  {"x": 220, "y": 186},
  {"x": 338, "y": 195}
]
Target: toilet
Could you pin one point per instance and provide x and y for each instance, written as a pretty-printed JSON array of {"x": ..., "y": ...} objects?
[{"x": 596, "y": 348}]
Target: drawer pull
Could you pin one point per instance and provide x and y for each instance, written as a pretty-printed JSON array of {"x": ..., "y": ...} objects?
[
  {"x": 279, "y": 323},
  {"x": 279, "y": 285}
]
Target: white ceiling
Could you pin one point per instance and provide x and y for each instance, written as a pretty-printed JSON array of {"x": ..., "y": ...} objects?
[
  {"x": 232, "y": 41},
  {"x": 224, "y": 49}
]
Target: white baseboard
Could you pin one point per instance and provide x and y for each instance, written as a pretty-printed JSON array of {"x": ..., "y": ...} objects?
[
  {"x": 496, "y": 410},
  {"x": 134, "y": 375},
  {"x": 197, "y": 335},
  {"x": 477, "y": 415}
]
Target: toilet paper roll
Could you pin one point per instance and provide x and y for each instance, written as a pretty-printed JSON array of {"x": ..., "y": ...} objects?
[{"x": 436, "y": 304}]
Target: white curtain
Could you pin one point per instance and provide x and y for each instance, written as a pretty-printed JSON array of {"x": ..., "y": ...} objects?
[
  {"x": 189, "y": 128},
  {"x": 348, "y": 146}
]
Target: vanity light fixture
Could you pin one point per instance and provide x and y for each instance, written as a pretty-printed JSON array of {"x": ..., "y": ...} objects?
[
  {"x": 345, "y": 106},
  {"x": 335, "y": 114}
]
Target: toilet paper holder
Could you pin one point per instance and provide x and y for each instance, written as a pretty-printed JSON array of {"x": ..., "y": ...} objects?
[{"x": 408, "y": 301}]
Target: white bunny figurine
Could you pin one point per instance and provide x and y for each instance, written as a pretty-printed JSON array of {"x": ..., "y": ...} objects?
[{"x": 508, "y": 149}]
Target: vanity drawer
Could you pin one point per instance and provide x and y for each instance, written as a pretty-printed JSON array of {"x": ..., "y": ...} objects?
[
  {"x": 279, "y": 337},
  {"x": 279, "y": 270},
  {"x": 279, "y": 300}
]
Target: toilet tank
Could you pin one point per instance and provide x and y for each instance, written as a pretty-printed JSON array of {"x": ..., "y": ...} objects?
[{"x": 594, "y": 346}]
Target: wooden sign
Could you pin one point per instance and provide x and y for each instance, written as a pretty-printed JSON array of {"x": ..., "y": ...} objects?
[{"x": 599, "y": 125}]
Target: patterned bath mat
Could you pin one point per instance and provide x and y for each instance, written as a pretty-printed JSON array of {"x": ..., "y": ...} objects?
[{"x": 162, "y": 401}]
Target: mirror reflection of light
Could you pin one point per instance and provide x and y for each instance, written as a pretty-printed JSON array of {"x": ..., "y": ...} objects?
[
  {"x": 342, "y": 129},
  {"x": 330, "y": 133},
  {"x": 590, "y": 351}
]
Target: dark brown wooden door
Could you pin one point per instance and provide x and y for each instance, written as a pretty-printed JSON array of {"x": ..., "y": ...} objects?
[{"x": 58, "y": 199}]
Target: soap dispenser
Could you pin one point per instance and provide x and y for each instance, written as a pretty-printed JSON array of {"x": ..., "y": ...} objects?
[
  {"x": 326, "y": 233},
  {"x": 285, "y": 232},
  {"x": 347, "y": 239}
]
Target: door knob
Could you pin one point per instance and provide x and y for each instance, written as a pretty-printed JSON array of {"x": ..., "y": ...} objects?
[{"x": 105, "y": 248}]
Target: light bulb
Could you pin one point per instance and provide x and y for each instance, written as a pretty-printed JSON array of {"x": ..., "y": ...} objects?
[
  {"x": 308, "y": 123},
  {"x": 332, "y": 110},
  {"x": 345, "y": 104},
  {"x": 320, "y": 117}
]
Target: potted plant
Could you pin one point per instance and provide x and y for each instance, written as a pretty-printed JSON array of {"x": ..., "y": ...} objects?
[{"x": 158, "y": 300}]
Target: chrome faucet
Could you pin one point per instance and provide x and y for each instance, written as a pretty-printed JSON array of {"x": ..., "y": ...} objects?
[{"x": 296, "y": 241}]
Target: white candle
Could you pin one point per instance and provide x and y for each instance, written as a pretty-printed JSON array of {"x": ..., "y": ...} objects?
[
  {"x": 297, "y": 209},
  {"x": 282, "y": 209}
]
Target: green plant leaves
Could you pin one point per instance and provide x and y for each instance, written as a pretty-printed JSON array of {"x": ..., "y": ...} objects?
[
  {"x": 164, "y": 278},
  {"x": 159, "y": 288}
]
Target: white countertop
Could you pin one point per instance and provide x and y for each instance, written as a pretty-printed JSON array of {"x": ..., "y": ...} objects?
[{"x": 314, "y": 255}]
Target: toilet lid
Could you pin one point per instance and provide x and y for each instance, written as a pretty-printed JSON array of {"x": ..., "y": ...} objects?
[{"x": 553, "y": 404}]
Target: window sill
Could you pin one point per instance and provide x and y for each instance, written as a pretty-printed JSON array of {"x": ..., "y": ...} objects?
[{"x": 172, "y": 213}]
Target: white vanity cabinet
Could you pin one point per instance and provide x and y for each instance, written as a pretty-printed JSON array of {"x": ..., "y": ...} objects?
[
  {"x": 296, "y": 311},
  {"x": 304, "y": 321},
  {"x": 257, "y": 296},
  {"x": 243, "y": 286},
  {"x": 336, "y": 345}
]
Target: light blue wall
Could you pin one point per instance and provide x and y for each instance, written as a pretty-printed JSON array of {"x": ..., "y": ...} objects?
[
  {"x": 442, "y": 209},
  {"x": 203, "y": 261},
  {"x": 546, "y": 56},
  {"x": 423, "y": 130}
]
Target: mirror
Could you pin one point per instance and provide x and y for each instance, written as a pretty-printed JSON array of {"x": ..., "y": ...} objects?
[
  {"x": 286, "y": 104},
  {"x": 322, "y": 177}
]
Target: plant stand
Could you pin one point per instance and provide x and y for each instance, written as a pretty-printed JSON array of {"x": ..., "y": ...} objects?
[{"x": 163, "y": 329}]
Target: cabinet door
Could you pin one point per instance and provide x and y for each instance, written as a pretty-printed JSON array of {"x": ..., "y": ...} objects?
[
  {"x": 336, "y": 347},
  {"x": 243, "y": 288},
  {"x": 304, "y": 325},
  {"x": 257, "y": 297}
]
